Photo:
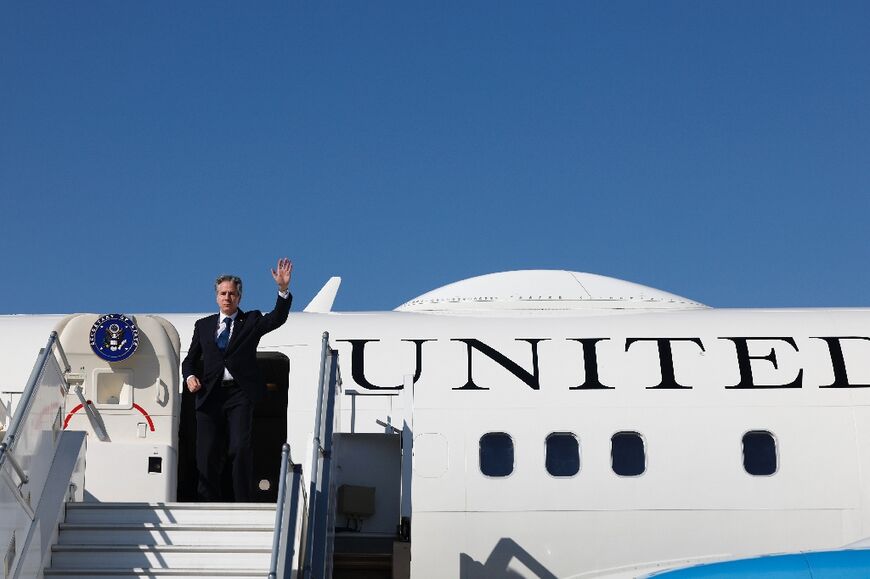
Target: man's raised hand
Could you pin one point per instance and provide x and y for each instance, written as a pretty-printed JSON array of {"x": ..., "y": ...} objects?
[{"x": 282, "y": 275}]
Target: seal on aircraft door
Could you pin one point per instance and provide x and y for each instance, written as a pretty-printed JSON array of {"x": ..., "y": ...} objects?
[{"x": 114, "y": 337}]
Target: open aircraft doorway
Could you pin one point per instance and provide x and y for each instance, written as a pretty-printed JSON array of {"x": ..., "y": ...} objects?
[{"x": 269, "y": 433}]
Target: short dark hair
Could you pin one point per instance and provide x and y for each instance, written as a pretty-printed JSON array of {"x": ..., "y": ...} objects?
[{"x": 233, "y": 278}]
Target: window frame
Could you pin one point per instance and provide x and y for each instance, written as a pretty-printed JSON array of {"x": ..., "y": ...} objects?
[
  {"x": 776, "y": 454},
  {"x": 645, "y": 454},
  {"x": 579, "y": 453},
  {"x": 480, "y": 454}
]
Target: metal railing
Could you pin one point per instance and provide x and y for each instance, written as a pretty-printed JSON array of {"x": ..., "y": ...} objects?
[
  {"x": 7, "y": 447},
  {"x": 284, "y": 539},
  {"x": 279, "y": 511},
  {"x": 93, "y": 418},
  {"x": 315, "y": 522},
  {"x": 6, "y": 454},
  {"x": 26, "y": 452},
  {"x": 315, "y": 564}
]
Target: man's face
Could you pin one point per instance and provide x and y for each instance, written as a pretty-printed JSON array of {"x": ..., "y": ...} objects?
[{"x": 228, "y": 298}]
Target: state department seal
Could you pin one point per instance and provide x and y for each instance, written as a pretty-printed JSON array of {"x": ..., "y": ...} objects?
[{"x": 114, "y": 337}]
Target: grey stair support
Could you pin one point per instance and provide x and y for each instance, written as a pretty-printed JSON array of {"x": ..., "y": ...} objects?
[{"x": 170, "y": 540}]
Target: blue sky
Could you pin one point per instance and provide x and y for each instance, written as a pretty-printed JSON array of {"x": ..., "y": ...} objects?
[{"x": 720, "y": 151}]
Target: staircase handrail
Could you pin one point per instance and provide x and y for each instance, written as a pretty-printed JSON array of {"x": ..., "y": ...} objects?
[
  {"x": 321, "y": 388},
  {"x": 23, "y": 409},
  {"x": 313, "y": 565},
  {"x": 23, "y": 480},
  {"x": 284, "y": 541},
  {"x": 279, "y": 511},
  {"x": 91, "y": 413}
]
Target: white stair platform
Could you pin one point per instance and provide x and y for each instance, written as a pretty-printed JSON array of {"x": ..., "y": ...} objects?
[{"x": 164, "y": 540}]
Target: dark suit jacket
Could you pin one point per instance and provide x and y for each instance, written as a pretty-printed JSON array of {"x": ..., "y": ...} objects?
[{"x": 240, "y": 357}]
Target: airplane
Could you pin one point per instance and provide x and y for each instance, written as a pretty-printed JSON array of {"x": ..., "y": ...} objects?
[{"x": 531, "y": 423}]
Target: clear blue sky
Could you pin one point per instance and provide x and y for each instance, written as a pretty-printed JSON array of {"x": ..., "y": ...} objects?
[{"x": 719, "y": 151}]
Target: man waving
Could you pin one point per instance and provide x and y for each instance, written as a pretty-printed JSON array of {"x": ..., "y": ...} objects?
[{"x": 230, "y": 382}]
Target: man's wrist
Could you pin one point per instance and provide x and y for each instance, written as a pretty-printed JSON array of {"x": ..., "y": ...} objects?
[{"x": 284, "y": 292}]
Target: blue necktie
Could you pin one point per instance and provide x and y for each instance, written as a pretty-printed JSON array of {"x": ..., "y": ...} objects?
[{"x": 224, "y": 336}]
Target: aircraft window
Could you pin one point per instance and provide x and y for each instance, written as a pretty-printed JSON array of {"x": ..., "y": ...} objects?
[
  {"x": 759, "y": 453},
  {"x": 563, "y": 454},
  {"x": 496, "y": 454},
  {"x": 627, "y": 454}
]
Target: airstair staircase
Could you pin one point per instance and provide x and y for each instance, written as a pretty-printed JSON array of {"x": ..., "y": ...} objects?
[
  {"x": 115, "y": 540},
  {"x": 42, "y": 481}
]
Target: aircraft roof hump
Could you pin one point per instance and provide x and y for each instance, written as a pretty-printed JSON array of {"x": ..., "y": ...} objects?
[{"x": 544, "y": 290}]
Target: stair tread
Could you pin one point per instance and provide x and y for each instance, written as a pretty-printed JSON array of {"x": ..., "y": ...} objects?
[
  {"x": 156, "y": 571},
  {"x": 137, "y": 523},
  {"x": 179, "y": 548},
  {"x": 105, "y": 570},
  {"x": 188, "y": 506},
  {"x": 148, "y": 525}
]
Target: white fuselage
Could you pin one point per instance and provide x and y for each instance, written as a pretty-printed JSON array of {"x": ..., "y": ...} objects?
[{"x": 691, "y": 383}]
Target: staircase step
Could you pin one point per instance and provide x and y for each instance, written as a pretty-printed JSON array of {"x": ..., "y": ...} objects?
[
  {"x": 159, "y": 557},
  {"x": 165, "y": 534},
  {"x": 179, "y": 513},
  {"x": 165, "y": 540},
  {"x": 151, "y": 573}
]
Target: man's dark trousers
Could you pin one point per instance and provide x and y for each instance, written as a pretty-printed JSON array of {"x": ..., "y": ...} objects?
[
  {"x": 226, "y": 412},
  {"x": 226, "y": 416}
]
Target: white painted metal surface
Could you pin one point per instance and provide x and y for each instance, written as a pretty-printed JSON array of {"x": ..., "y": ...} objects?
[
  {"x": 137, "y": 400},
  {"x": 543, "y": 290},
  {"x": 694, "y": 502}
]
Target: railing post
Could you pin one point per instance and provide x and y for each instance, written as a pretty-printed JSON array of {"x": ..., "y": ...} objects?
[
  {"x": 63, "y": 359},
  {"x": 292, "y": 516},
  {"x": 279, "y": 511},
  {"x": 22, "y": 476}
]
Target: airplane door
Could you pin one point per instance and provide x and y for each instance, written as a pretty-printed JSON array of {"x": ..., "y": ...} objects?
[{"x": 124, "y": 382}]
